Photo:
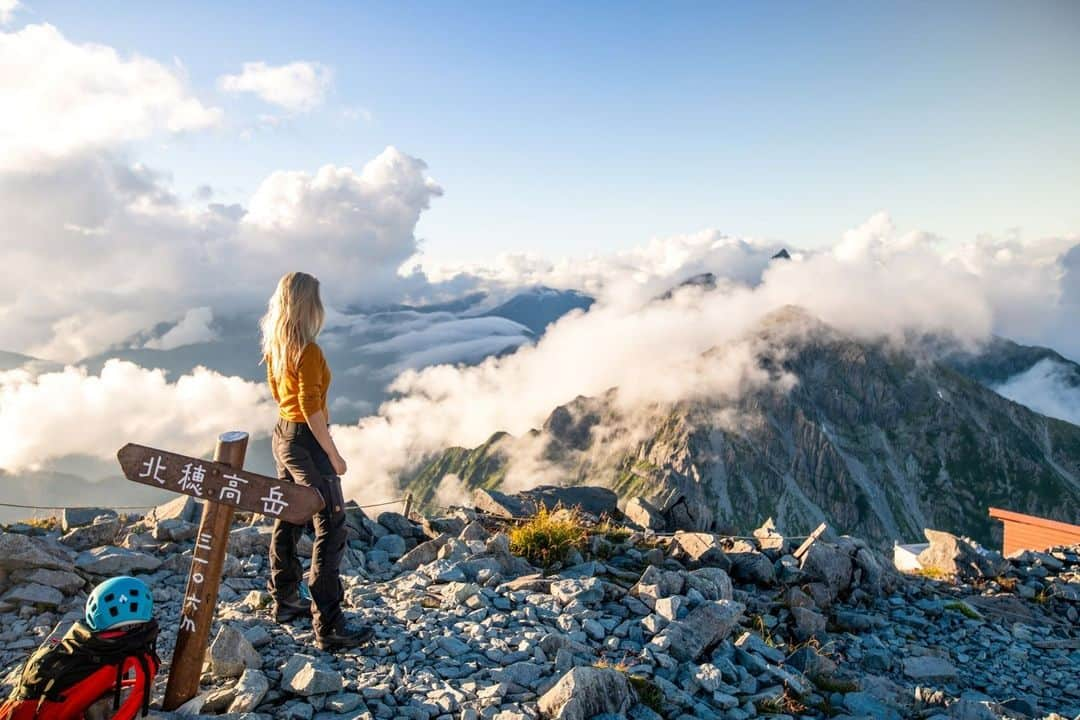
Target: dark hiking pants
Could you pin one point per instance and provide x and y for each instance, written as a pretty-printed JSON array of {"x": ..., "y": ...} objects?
[{"x": 302, "y": 460}]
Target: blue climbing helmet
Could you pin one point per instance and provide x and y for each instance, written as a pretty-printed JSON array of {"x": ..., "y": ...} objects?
[{"x": 117, "y": 602}]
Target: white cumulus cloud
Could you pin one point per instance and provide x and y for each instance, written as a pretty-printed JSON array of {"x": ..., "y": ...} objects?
[
  {"x": 1046, "y": 388},
  {"x": 96, "y": 250},
  {"x": 71, "y": 412},
  {"x": 7, "y": 10},
  {"x": 60, "y": 97},
  {"x": 195, "y": 327},
  {"x": 297, "y": 86}
]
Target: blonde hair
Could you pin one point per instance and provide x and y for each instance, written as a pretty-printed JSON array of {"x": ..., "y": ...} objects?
[{"x": 294, "y": 317}]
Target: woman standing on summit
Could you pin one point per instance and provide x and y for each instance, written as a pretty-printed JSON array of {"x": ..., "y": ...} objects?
[{"x": 305, "y": 453}]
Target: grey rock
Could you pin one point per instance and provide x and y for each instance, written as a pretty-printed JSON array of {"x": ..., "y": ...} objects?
[
  {"x": 705, "y": 626},
  {"x": 929, "y": 668},
  {"x": 585, "y": 692},
  {"x": 116, "y": 561},
  {"x": 99, "y": 533},
  {"x": 863, "y": 704},
  {"x": 712, "y": 582},
  {"x": 77, "y": 517},
  {"x": 250, "y": 540},
  {"x": 808, "y": 623},
  {"x": 500, "y": 504},
  {"x": 587, "y": 591},
  {"x": 811, "y": 663},
  {"x": 392, "y": 545},
  {"x": 22, "y": 552},
  {"x": 184, "y": 507},
  {"x": 699, "y": 547},
  {"x": 66, "y": 582},
  {"x": 303, "y": 675},
  {"x": 34, "y": 594},
  {"x": 768, "y": 537},
  {"x": 249, "y": 691},
  {"x": 424, "y": 553},
  {"x": 643, "y": 514},
  {"x": 828, "y": 564},
  {"x": 959, "y": 556},
  {"x": 231, "y": 653},
  {"x": 177, "y": 529},
  {"x": 592, "y": 499},
  {"x": 474, "y": 531},
  {"x": 752, "y": 567},
  {"x": 397, "y": 524}
]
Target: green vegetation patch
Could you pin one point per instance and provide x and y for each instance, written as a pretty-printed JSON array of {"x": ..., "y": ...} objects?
[{"x": 548, "y": 537}]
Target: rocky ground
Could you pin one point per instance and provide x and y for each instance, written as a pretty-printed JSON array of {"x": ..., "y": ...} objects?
[{"x": 631, "y": 624}]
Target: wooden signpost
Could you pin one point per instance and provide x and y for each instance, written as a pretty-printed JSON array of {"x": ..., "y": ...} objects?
[{"x": 224, "y": 487}]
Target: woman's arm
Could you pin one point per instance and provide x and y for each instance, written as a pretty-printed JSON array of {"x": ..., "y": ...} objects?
[
  {"x": 319, "y": 428},
  {"x": 310, "y": 392}
]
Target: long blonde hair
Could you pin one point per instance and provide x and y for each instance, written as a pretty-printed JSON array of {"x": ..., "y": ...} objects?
[{"x": 294, "y": 317}]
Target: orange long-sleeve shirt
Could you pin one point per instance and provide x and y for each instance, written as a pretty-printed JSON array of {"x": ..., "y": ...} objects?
[{"x": 301, "y": 393}]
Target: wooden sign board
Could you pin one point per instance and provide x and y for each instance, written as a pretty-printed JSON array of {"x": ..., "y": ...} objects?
[
  {"x": 225, "y": 487},
  {"x": 219, "y": 483}
]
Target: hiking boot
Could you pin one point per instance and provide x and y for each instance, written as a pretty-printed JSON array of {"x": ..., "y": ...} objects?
[
  {"x": 292, "y": 610},
  {"x": 345, "y": 635}
]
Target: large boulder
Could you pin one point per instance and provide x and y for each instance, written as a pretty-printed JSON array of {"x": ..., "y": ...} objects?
[
  {"x": 500, "y": 504},
  {"x": 100, "y": 532},
  {"x": 303, "y": 675},
  {"x": 22, "y": 552},
  {"x": 424, "y": 553},
  {"x": 398, "y": 524},
  {"x": 116, "y": 561},
  {"x": 231, "y": 654},
  {"x": 34, "y": 595},
  {"x": 645, "y": 515},
  {"x": 752, "y": 567},
  {"x": 72, "y": 518},
  {"x": 585, "y": 692},
  {"x": 682, "y": 513},
  {"x": 699, "y": 547},
  {"x": 829, "y": 565},
  {"x": 712, "y": 582},
  {"x": 250, "y": 540},
  {"x": 588, "y": 498},
  {"x": 65, "y": 581},
  {"x": 249, "y": 691},
  {"x": 960, "y": 557},
  {"x": 184, "y": 507},
  {"x": 705, "y": 626}
]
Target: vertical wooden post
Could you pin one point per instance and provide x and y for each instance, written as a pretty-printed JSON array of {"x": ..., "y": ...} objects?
[
  {"x": 408, "y": 505},
  {"x": 204, "y": 578}
]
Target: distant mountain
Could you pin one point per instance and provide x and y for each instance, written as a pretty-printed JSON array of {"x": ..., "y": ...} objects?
[
  {"x": 705, "y": 281},
  {"x": 12, "y": 360},
  {"x": 1003, "y": 359},
  {"x": 539, "y": 307},
  {"x": 878, "y": 441}
]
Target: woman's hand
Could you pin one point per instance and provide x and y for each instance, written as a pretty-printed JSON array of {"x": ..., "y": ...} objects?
[{"x": 338, "y": 463}]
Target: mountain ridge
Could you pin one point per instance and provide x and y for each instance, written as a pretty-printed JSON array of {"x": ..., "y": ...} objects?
[{"x": 875, "y": 439}]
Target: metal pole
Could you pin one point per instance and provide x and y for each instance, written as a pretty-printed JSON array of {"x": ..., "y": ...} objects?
[
  {"x": 204, "y": 579},
  {"x": 408, "y": 505}
]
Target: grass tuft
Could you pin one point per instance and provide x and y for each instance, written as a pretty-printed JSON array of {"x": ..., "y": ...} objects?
[
  {"x": 964, "y": 609},
  {"x": 649, "y": 693},
  {"x": 932, "y": 573},
  {"x": 548, "y": 537},
  {"x": 49, "y": 522}
]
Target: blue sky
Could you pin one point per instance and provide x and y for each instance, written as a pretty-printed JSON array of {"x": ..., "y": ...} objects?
[{"x": 579, "y": 127}]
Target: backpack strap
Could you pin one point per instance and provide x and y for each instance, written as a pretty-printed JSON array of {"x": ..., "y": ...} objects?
[{"x": 119, "y": 684}]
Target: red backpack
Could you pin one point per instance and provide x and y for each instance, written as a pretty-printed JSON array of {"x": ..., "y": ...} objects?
[{"x": 68, "y": 674}]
